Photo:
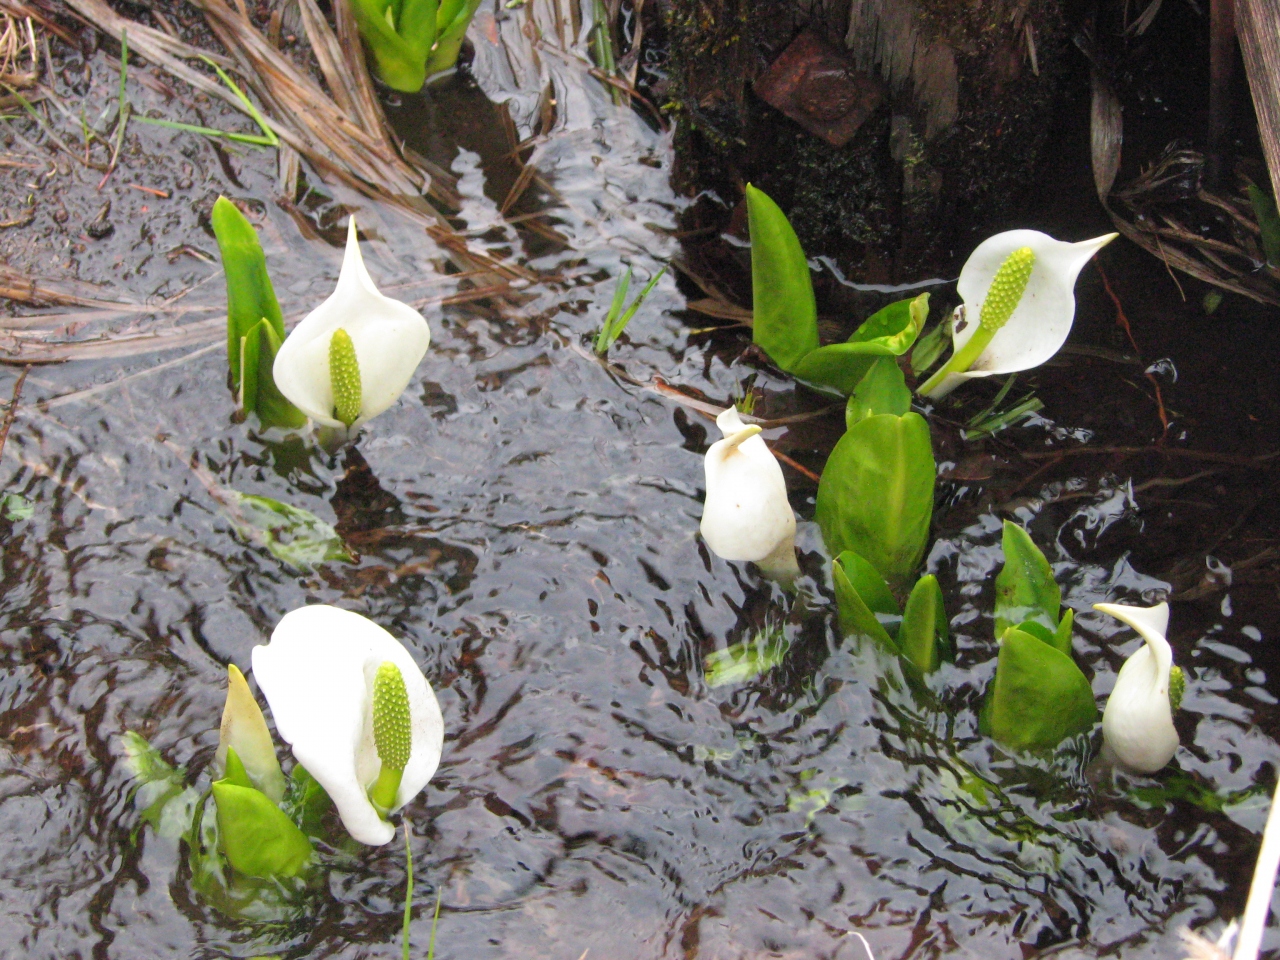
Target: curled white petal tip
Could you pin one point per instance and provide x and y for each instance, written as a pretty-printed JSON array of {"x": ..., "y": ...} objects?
[
  {"x": 1039, "y": 325},
  {"x": 317, "y": 675},
  {"x": 390, "y": 340},
  {"x": 1137, "y": 723},
  {"x": 747, "y": 516}
]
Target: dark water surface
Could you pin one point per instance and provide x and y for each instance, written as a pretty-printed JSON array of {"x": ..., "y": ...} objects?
[{"x": 526, "y": 521}]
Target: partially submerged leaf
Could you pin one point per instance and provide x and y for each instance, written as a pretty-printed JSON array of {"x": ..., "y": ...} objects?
[
  {"x": 876, "y": 494},
  {"x": 161, "y": 792},
  {"x": 862, "y": 598},
  {"x": 1038, "y": 698},
  {"x": 924, "y": 637},
  {"x": 293, "y": 535},
  {"x": 1025, "y": 587},
  {"x": 743, "y": 662},
  {"x": 16, "y": 507},
  {"x": 785, "y": 323},
  {"x": 250, "y": 296}
]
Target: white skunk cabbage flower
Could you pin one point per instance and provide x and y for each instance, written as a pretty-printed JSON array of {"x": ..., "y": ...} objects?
[
  {"x": 1018, "y": 293},
  {"x": 747, "y": 515},
  {"x": 244, "y": 730},
  {"x": 318, "y": 674},
  {"x": 1137, "y": 724},
  {"x": 350, "y": 358}
]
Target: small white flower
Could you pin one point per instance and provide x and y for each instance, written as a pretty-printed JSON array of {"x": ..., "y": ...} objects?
[
  {"x": 1137, "y": 724},
  {"x": 317, "y": 675},
  {"x": 747, "y": 515},
  {"x": 1041, "y": 321},
  {"x": 390, "y": 341}
]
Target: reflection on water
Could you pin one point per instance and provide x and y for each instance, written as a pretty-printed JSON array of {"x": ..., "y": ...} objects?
[{"x": 526, "y": 520}]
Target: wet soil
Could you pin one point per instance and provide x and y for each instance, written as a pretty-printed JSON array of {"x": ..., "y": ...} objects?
[{"x": 526, "y": 520}]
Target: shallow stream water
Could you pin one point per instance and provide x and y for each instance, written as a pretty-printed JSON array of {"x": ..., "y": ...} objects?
[{"x": 525, "y": 519}]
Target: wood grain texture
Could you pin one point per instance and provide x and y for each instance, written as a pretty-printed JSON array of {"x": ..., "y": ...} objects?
[{"x": 1258, "y": 26}]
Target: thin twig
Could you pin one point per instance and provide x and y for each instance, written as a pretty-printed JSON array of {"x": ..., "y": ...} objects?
[
  {"x": 1262, "y": 462},
  {"x": 12, "y": 412}
]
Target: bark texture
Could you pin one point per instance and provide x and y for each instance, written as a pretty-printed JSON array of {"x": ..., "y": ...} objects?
[{"x": 968, "y": 97}]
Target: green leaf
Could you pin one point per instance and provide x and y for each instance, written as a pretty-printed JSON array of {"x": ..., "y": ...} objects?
[
  {"x": 861, "y": 594},
  {"x": 1039, "y": 696},
  {"x": 236, "y": 774},
  {"x": 449, "y": 40},
  {"x": 785, "y": 314},
  {"x": 17, "y": 507},
  {"x": 256, "y": 836},
  {"x": 1264, "y": 208},
  {"x": 924, "y": 637},
  {"x": 293, "y": 535},
  {"x": 399, "y": 53},
  {"x": 887, "y": 333},
  {"x": 306, "y": 802},
  {"x": 876, "y": 495},
  {"x": 1025, "y": 588},
  {"x": 250, "y": 295},
  {"x": 929, "y": 347},
  {"x": 1062, "y": 636},
  {"x": 271, "y": 406},
  {"x": 743, "y": 662},
  {"x": 882, "y": 390}
]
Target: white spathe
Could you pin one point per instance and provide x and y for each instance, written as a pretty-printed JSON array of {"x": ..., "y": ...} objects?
[
  {"x": 1039, "y": 325},
  {"x": 1137, "y": 724},
  {"x": 317, "y": 675},
  {"x": 747, "y": 515},
  {"x": 390, "y": 339}
]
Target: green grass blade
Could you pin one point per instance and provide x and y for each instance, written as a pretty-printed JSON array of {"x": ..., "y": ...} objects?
[
  {"x": 615, "y": 329},
  {"x": 259, "y": 119},
  {"x": 603, "y": 339},
  {"x": 431, "y": 947},
  {"x": 250, "y": 138}
]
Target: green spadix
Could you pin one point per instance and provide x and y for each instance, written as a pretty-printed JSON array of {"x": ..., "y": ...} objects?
[
  {"x": 344, "y": 375},
  {"x": 392, "y": 734}
]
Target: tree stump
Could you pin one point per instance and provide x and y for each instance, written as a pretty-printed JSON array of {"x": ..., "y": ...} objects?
[{"x": 964, "y": 101}]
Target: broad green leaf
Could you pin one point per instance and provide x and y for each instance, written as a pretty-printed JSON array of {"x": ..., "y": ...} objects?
[
  {"x": 296, "y": 536},
  {"x": 886, "y": 333},
  {"x": 1039, "y": 696},
  {"x": 1264, "y": 208},
  {"x": 929, "y": 347},
  {"x": 876, "y": 495},
  {"x": 924, "y": 637},
  {"x": 785, "y": 315},
  {"x": 861, "y": 594},
  {"x": 256, "y": 836},
  {"x": 882, "y": 390},
  {"x": 743, "y": 662},
  {"x": 250, "y": 295},
  {"x": 1025, "y": 588},
  {"x": 17, "y": 507},
  {"x": 305, "y": 801},
  {"x": 1039, "y": 631}
]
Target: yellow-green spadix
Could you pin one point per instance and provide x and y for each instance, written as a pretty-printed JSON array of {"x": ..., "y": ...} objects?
[
  {"x": 747, "y": 516},
  {"x": 318, "y": 674},
  {"x": 1137, "y": 724},
  {"x": 389, "y": 338},
  {"x": 1040, "y": 321}
]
